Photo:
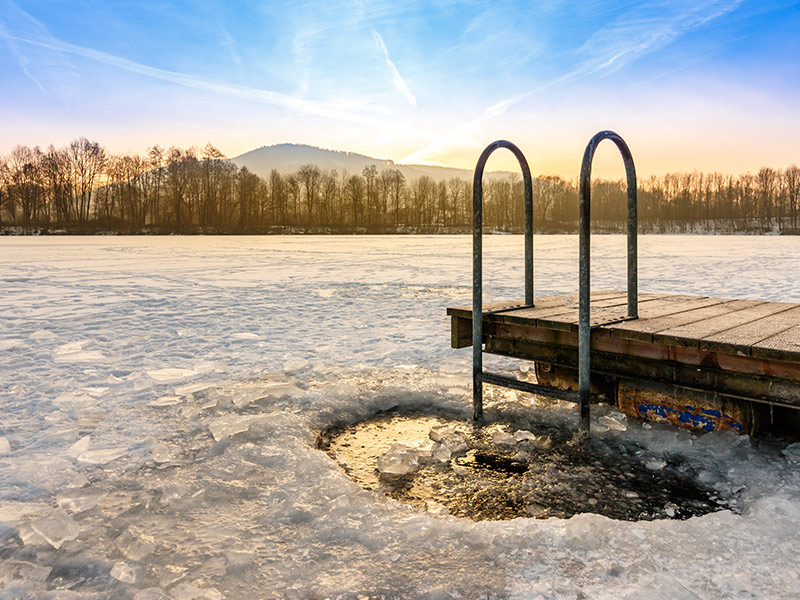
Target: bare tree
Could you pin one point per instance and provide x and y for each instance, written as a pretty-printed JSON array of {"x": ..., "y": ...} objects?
[
  {"x": 87, "y": 160},
  {"x": 310, "y": 175},
  {"x": 792, "y": 178},
  {"x": 370, "y": 174},
  {"x": 355, "y": 195}
]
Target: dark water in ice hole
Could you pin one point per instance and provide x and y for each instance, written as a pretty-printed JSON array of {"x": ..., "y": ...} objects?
[{"x": 548, "y": 477}]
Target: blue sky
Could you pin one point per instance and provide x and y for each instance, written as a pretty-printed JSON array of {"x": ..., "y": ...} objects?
[{"x": 701, "y": 84}]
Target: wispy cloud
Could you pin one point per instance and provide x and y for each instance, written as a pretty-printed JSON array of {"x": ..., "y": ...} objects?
[
  {"x": 44, "y": 40},
  {"x": 607, "y": 50},
  {"x": 43, "y": 69},
  {"x": 227, "y": 41},
  {"x": 397, "y": 79}
]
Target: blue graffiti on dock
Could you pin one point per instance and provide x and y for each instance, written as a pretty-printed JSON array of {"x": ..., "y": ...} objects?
[{"x": 704, "y": 419}]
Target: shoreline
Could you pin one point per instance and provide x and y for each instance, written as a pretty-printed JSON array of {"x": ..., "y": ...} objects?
[{"x": 20, "y": 231}]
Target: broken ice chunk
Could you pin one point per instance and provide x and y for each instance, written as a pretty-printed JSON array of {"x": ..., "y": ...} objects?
[
  {"x": 448, "y": 436},
  {"x": 80, "y": 451},
  {"x": 185, "y": 591},
  {"x": 400, "y": 460},
  {"x": 455, "y": 443},
  {"x": 503, "y": 438},
  {"x": 134, "y": 544},
  {"x": 16, "y": 512},
  {"x": 95, "y": 392},
  {"x": 75, "y": 400},
  {"x": 78, "y": 501},
  {"x": 655, "y": 464},
  {"x": 73, "y": 352},
  {"x": 225, "y": 427},
  {"x": 161, "y": 452},
  {"x": 123, "y": 572},
  {"x": 522, "y": 435},
  {"x": 449, "y": 444},
  {"x": 442, "y": 453},
  {"x": 101, "y": 457},
  {"x": 165, "y": 401},
  {"x": 79, "y": 447},
  {"x": 170, "y": 375},
  {"x": 5, "y": 447},
  {"x": 57, "y": 528},
  {"x": 32, "y": 573},
  {"x": 614, "y": 422},
  {"x": 792, "y": 452},
  {"x": 437, "y": 434},
  {"x": 9, "y": 539}
]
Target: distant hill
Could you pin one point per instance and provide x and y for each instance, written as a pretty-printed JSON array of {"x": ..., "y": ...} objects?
[{"x": 287, "y": 158}]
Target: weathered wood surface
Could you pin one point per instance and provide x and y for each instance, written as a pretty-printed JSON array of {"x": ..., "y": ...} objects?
[{"x": 766, "y": 330}]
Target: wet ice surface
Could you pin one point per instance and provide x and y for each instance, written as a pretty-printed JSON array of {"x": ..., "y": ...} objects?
[{"x": 162, "y": 397}]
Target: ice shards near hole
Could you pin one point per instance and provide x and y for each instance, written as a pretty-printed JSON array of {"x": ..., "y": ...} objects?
[{"x": 499, "y": 471}]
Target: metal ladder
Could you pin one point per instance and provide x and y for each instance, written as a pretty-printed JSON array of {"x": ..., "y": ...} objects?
[{"x": 479, "y": 376}]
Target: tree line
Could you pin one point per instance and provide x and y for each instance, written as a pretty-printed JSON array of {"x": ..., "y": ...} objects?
[{"x": 82, "y": 188}]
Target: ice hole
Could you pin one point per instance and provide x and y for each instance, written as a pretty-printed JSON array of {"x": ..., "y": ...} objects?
[{"x": 502, "y": 470}]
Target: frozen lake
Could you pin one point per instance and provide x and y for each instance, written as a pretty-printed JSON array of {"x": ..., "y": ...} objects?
[{"x": 160, "y": 400}]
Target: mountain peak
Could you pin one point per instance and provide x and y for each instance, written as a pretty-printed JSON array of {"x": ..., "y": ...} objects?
[{"x": 288, "y": 158}]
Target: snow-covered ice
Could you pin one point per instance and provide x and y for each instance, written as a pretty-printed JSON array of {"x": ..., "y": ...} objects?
[{"x": 161, "y": 400}]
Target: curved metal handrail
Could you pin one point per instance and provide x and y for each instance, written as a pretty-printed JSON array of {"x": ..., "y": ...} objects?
[
  {"x": 477, "y": 264},
  {"x": 584, "y": 326}
]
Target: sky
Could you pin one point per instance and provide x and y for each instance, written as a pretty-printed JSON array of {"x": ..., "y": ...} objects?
[{"x": 691, "y": 85}]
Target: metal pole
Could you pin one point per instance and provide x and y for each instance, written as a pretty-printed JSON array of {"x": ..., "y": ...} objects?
[
  {"x": 477, "y": 261},
  {"x": 584, "y": 288},
  {"x": 584, "y": 293}
]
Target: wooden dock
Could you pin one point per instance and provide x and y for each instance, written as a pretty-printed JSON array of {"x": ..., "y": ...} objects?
[{"x": 701, "y": 362}]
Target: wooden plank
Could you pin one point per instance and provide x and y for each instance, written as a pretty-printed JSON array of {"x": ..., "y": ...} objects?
[
  {"x": 635, "y": 348},
  {"x": 460, "y": 332},
  {"x": 609, "y": 313},
  {"x": 465, "y": 310},
  {"x": 741, "y": 338},
  {"x": 645, "y": 329},
  {"x": 682, "y": 321},
  {"x": 546, "y": 306},
  {"x": 654, "y": 316},
  {"x": 565, "y": 317},
  {"x": 542, "y": 302},
  {"x": 782, "y": 346},
  {"x": 618, "y": 301},
  {"x": 689, "y": 334}
]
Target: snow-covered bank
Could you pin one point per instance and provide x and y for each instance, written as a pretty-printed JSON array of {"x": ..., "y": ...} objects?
[{"x": 161, "y": 398}]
